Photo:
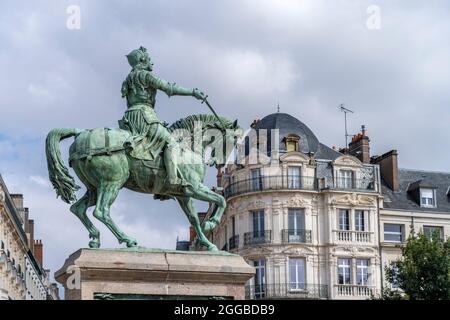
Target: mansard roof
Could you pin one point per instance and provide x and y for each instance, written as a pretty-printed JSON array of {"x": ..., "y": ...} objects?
[
  {"x": 289, "y": 125},
  {"x": 410, "y": 180}
]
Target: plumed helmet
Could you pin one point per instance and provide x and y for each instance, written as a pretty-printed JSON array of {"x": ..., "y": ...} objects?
[{"x": 138, "y": 56}]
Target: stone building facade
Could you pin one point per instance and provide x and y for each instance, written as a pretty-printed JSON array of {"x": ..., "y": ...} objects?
[
  {"x": 22, "y": 276},
  {"x": 308, "y": 221},
  {"x": 414, "y": 200},
  {"x": 318, "y": 223}
]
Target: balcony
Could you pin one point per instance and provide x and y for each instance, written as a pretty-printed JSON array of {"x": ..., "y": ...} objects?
[
  {"x": 364, "y": 185},
  {"x": 295, "y": 236},
  {"x": 286, "y": 291},
  {"x": 347, "y": 236},
  {"x": 257, "y": 237},
  {"x": 270, "y": 183},
  {"x": 234, "y": 242},
  {"x": 351, "y": 290}
]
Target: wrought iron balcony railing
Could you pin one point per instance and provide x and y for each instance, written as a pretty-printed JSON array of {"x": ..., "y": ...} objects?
[
  {"x": 295, "y": 236},
  {"x": 265, "y": 183},
  {"x": 234, "y": 242},
  {"x": 286, "y": 291},
  {"x": 257, "y": 237},
  {"x": 349, "y": 184}
]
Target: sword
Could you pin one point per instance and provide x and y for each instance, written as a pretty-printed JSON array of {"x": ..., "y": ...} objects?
[{"x": 214, "y": 112}]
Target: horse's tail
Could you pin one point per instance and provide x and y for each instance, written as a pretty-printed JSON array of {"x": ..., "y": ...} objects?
[{"x": 60, "y": 178}]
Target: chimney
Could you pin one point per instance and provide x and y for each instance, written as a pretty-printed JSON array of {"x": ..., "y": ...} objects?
[
  {"x": 389, "y": 168},
  {"x": 38, "y": 254},
  {"x": 192, "y": 233},
  {"x": 359, "y": 146},
  {"x": 219, "y": 177},
  {"x": 29, "y": 230},
  {"x": 17, "y": 198}
]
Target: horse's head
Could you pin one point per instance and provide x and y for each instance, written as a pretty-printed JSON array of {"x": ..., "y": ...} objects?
[
  {"x": 221, "y": 136},
  {"x": 216, "y": 133}
]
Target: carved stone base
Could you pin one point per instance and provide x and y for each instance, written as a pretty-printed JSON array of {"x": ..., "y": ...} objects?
[{"x": 140, "y": 273}]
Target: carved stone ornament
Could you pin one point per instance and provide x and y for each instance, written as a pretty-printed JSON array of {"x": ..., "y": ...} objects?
[
  {"x": 255, "y": 205},
  {"x": 297, "y": 201},
  {"x": 2, "y": 194},
  {"x": 347, "y": 160},
  {"x": 353, "y": 200},
  {"x": 298, "y": 250}
]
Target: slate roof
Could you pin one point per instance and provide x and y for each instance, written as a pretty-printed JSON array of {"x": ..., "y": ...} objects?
[
  {"x": 326, "y": 153},
  {"x": 287, "y": 124},
  {"x": 411, "y": 180}
]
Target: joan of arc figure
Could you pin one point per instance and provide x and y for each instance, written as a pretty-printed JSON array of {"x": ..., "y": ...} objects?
[{"x": 140, "y": 88}]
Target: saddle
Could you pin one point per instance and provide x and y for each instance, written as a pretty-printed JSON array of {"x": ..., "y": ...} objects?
[{"x": 95, "y": 142}]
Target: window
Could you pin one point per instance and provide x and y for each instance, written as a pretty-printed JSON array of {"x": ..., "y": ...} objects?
[
  {"x": 362, "y": 272},
  {"x": 293, "y": 177},
  {"x": 233, "y": 225},
  {"x": 297, "y": 273},
  {"x": 2, "y": 245},
  {"x": 296, "y": 225},
  {"x": 260, "y": 277},
  {"x": 346, "y": 179},
  {"x": 296, "y": 219},
  {"x": 225, "y": 246},
  {"x": 430, "y": 231},
  {"x": 344, "y": 271},
  {"x": 427, "y": 198},
  {"x": 258, "y": 224},
  {"x": 360, "y": 223},
  {"x": 393, "y": 232},
  {"x": 256, "y": 180},
  {"x": 344, "y": 219}
]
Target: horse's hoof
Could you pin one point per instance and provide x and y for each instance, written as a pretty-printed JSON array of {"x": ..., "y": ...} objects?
[
  {"x": 213, "y": 248},
  {"x": 94, "y": 244},
  {"x": 130, "y": 243}
]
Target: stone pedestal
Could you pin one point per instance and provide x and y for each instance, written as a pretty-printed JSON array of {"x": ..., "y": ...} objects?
[{"x": 140, "y": 273}]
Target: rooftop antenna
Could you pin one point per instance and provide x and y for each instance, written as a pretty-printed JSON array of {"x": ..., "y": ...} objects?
[
  {"x": 345, "y": 110},
  {"x": 278, "y": 107}
]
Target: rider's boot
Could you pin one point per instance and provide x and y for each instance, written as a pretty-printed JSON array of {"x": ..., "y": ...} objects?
[{"x": 170, "y": 160}]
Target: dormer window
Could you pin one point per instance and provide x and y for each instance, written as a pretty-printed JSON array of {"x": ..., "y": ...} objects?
[
  {"x": 424, "y": 193},
  {"x": 291, "y": 142},
  {"x": 427, "y": 197},
  {"x": 345, "y": 179}
]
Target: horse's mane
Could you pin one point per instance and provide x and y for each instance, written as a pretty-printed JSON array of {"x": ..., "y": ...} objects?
[{"x": 189, "y": 122}]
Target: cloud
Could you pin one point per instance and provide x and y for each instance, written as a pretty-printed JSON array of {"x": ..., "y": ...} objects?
[
  {"x": 247, "y": 55},
  {"x": 41, "y": 181}
]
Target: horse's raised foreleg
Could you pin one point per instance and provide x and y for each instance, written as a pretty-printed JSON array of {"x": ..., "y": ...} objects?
[
  {"x": 106, "y": 195},
  {"x": 189, "y": 210},
  {"x": 79, "y": 209},
  {"x": 204, "y": 193}
]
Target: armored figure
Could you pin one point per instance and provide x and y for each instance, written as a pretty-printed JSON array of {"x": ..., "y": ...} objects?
[
  {"x": 149, "y": 135},
  {"x": 144, "y": 155}
]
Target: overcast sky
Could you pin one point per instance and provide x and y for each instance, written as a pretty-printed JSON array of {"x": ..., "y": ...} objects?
[{"x": 309, "y": 56}]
